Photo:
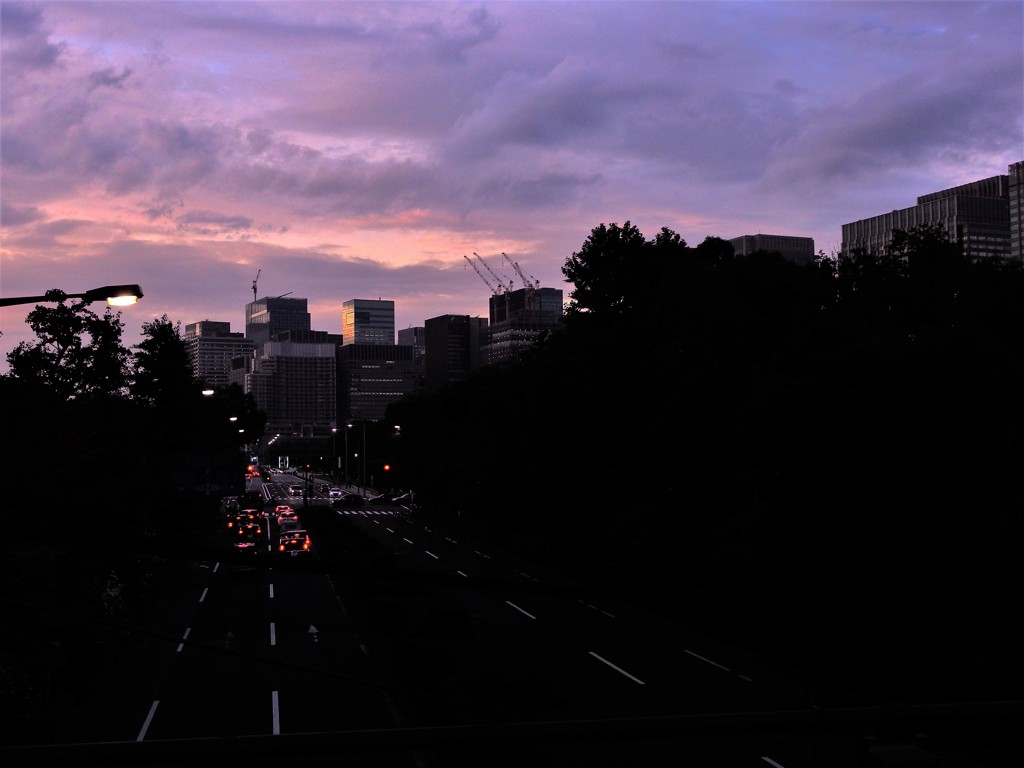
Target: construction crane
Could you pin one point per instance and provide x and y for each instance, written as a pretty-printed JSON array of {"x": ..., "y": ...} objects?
[
  {"x": 494, "y": 290},
  {"x": 501, "y": 280},
  {"x": 531, "y": 282},
  {"x": 254, "y": 284}
]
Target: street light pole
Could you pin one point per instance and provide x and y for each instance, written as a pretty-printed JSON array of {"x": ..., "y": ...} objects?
[
  {"x": 114, "y": 295},
  {"x": 347, "y": 428},
  {"x": 334, "y": 455}
]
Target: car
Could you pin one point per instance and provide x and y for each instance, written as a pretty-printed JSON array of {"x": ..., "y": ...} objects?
[
  {"x": 335, "y": 493},
  {"x": 297, "y": 490},
  {"x": 289, "y": 524},
  {"x": 242, "y": 516},
  {"x": 294, "y": 543},
  {"x": 287, "y": 514},
  {"x": 323, "y": 487},
  {"x": 249, "y": 536}
]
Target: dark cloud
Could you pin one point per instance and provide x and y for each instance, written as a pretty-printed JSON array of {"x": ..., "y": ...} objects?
[
  {"x": 16, "y": 215},
  {"x": 209, "y": 223},
  {"x": 106, "y": 78},
  {"x": 909, "y": 121},
  {"x": 450, "y": 43},
  {"x": 26, "y": 44}
]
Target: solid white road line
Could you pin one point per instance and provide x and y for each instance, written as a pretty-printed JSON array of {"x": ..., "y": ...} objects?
[
  {"x": 149, "y": 719},
  {"x": 276, "y": 714},
  {"x": 709, "y": 661},
  {"x": 509, "y": 602},
  {"x": 203, "y": 596},
  {"x": 184, "y": 637},
  {"x": 617, "y": 669}
]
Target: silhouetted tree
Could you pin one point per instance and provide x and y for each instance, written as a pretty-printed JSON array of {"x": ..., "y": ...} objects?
[
  {"x": 162, "y": 369},
  {"x": 78, "y": 353},
  {"x": 829, "y": 447}
]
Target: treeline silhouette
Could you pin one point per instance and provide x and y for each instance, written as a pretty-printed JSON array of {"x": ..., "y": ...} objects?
[
  {"x": 819, "y": 461},
  {"x": 101, "y": 449}
]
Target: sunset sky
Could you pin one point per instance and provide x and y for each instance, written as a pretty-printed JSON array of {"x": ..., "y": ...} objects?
[{"x": 360, "y": 150}]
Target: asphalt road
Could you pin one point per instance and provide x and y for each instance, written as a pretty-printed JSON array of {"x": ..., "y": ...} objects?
[{"x": 393, "y": 644}]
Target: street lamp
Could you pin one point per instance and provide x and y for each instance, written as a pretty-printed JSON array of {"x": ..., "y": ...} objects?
[
  {"x": 114, "y": 295},
  {"x": 347, "y": 428},
  {"x": 334, "y": 454}
]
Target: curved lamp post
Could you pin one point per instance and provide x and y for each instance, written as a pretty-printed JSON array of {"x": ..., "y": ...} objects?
[{"x": 114, "y": 295}]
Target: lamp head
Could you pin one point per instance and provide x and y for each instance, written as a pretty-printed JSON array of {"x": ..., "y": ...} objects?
[{"x": 115, "y": 295}]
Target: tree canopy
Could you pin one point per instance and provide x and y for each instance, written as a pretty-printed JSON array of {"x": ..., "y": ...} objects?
[{"x": 729, "y": 434}]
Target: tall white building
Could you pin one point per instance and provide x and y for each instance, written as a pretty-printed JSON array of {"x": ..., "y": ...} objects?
[{"x": 211, "y": 346}]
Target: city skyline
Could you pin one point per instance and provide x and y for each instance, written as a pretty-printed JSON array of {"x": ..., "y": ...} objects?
[{"x": 361, "y": 150}]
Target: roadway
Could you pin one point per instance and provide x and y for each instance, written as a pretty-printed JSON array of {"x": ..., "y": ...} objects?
[{"x": 424, "y": 648}]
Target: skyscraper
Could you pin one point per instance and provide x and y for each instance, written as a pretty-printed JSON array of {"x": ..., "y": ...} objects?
[
  {"x": 372, "y": 370},
  {"x": 267, "y": 317},
  {"x": 368, "y": 321},
  {"x": 453, "y": 348},
  {"x": 517, "y": 319},
  {"x": 371, "y": 377},
  {"x": 295, "y": 383},
  {"x": 976, "y": 215},
  {"x": 211, "y": 346},
  {"x": 291, "y": 372},
  {"x": 1016, "y": 177}
]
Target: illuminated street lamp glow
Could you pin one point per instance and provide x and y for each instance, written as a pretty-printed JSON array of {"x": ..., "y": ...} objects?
[{"x": 115, "y": 295}]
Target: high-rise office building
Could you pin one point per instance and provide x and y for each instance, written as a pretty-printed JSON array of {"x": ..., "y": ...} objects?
[
  {"x": 517, "y": 319},
  {"x": 211, "y": 346},
  {"x": 373, "y": 371},
  {"x": 976, "y": 215},
  {"x": 415, "y": 337},
  {"x": 295, "y": 383},
  {"x": 371, "y": 377},
  {"x": 453, "y": 348},
  {"x": 291, "y": 372},
  {"x": 798, "y": 249},
  {"x": 1016, "y": 194},
  {"x": 269, "y": 316},
  {"x": 368, "y": 321}
]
